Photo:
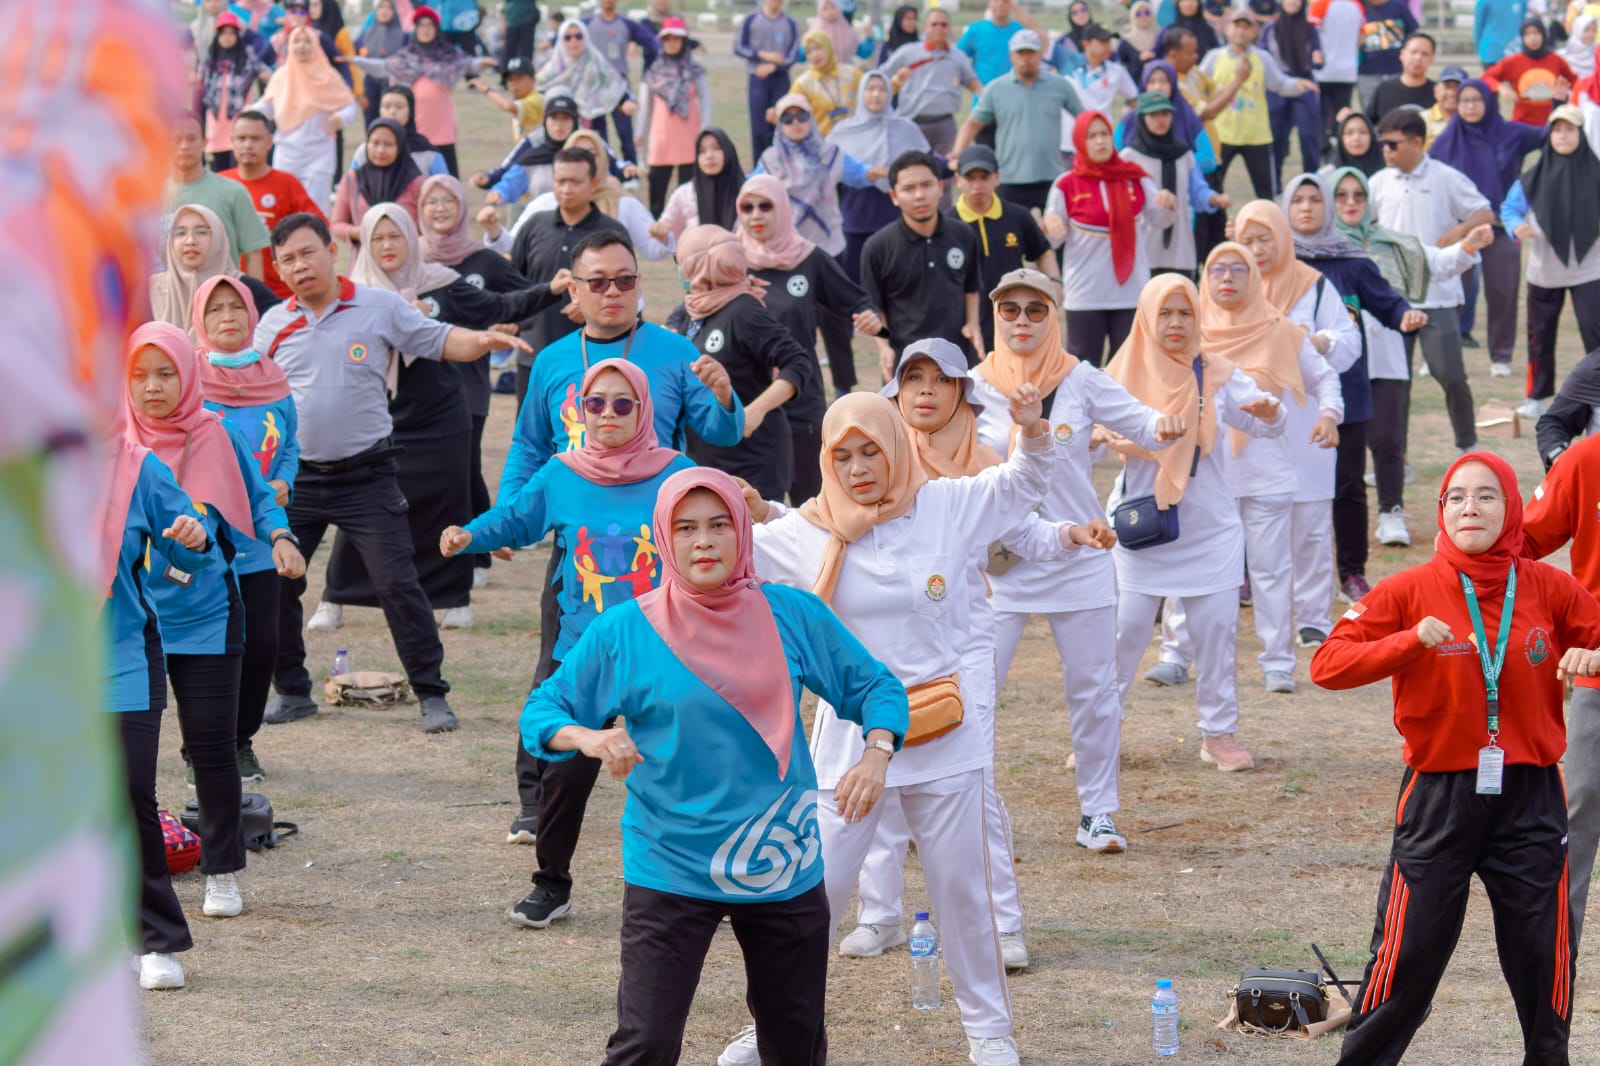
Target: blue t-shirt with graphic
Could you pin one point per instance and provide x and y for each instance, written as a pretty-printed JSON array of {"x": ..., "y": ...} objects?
[
  {"x": 270, "y": 431},
  {"x": 707, "y": 815}
]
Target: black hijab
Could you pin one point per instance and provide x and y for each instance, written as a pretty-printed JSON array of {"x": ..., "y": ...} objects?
[
  {"x": 1561, "y": 191},
  {"x": 383, "y": 185},
  {"x": 541, "y": 151},
  {"x": 1074, "y": 30},
  {"x": 1167, "y": 149},
  {"x": 717, "y": 198},
  {"x": 331, "y": 21},
  {"x": 1368, "y": 163},
  {"x": 898, "y": 36},
  {"x": 415, "y": 141},
  {"x": 1544, "y": 38},
  {"x": 1293, "y": 35},
  {"x": 1205, "y": 36}
]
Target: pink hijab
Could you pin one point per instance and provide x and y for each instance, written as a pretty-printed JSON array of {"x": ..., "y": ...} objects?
[
  {"x": 260, "y": 382},
  {"x": 636, "y": 459},
  {"x": 785, "y": 249},
  {"x": 124, "y": 458},
  {"x": 447, "y": 248},
  {"x": 191, "y": 440},
  {"x": 712, "y": 261},
  {"x": 726, "y": 637}
]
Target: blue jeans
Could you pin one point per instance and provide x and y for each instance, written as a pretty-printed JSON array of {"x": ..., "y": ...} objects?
[{"x": 1291, "y": 113}]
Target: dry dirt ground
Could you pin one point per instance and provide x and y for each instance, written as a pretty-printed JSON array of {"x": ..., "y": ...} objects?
[{"x": 377, "y": 936}]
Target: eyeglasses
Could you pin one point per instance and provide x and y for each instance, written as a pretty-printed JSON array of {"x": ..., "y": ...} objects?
[
  {"x": 750, "y": 207},
  {"x": 1455, "y": 502},
  {"x": 621, "y": 405},
  {"x": 1391, "y": 146},
  {"x": 1010, "y": 309},
  {"x": 794, "y": 118},
  {"x": 1354, "y": 196},
  {"x": 1223, "y": 271},
  {"x": 623, "y": 282}
]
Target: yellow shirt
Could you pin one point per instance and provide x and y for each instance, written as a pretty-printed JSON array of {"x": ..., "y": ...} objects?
[
  {"x": 1198, "y": 89},
  {"x": 1436, "y": 121},
  {"x": 530, "y": 113},
  {"x": 1244, "y": 121},
  {"x": 832, "y": 98}
]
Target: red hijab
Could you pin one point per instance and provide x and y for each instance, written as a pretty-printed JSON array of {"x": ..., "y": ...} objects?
[
  {"x": 1488, "y": 569},
  {"x": 1106, "y": 195},
  {"x": 190, "y": 440},
  {"x": 726, "y": 637},
  {"x": 261, "y": 382},
  {"x": 634, "y": 460}
]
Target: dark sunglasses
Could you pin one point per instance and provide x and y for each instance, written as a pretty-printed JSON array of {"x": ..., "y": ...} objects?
[
  {"x": 1391, "y": 146},
  {"x": 596, "y": 405},
  {"x": 572, "y": 36},
  {"x": 623, "y": 282},
  {"x": 750, "y": 207},
  {"x": 794, "y": 118},
  {"x": 1009, "y": 310},
  {"x": 1355, "y": 196}
]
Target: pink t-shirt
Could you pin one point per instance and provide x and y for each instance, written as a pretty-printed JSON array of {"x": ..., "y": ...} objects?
[
  {"x": 672, "y": 136},
  {"x": 436, "y": 111}
]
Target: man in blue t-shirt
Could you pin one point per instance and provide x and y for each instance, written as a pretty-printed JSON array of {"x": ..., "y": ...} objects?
[{"x": 987, "y": 42}]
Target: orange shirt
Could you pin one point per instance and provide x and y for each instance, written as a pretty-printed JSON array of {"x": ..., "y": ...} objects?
[
  {"x": 1440, "y": 702},
  {"x": 1566, "y": 506},
  {"x": 276, "y": 196}
]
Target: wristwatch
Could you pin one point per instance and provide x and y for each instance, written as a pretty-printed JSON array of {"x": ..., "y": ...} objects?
[
  {"x": 885, "y": 746},
  {"x": 288, "y": 536}
]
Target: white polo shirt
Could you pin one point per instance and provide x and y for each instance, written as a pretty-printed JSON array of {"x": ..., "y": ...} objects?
[{"x": 1427, "y": 203}]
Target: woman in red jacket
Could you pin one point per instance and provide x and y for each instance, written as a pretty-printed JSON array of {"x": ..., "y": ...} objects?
[{"x": 1478, "y": 701}]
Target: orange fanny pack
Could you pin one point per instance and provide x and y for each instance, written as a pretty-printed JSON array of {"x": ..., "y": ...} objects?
[{"x": 936, "y": 709}]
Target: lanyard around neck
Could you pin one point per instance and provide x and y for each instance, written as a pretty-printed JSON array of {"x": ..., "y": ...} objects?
[
  {"x": 1492, "y": 662},
  {"x": 583, "y": 345}
]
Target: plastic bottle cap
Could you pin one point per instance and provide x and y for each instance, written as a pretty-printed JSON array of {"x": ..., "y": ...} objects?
[
  {"x": 1164, "y": 983},
  {"x": 922, "y": 916},
  {"x": 342, "y": 651}
]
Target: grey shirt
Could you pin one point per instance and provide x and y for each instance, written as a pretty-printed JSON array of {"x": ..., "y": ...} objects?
[
  {"x": 337, "y": 364},
  {"x": 1019, "y": 112},
  {"x": 935, "y": 86}
]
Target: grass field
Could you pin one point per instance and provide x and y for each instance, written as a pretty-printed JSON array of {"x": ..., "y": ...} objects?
[{"x": 377, "y": 936}]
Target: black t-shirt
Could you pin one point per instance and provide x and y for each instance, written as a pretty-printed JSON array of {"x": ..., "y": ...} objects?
[
  {"x": 1013, "y": 240},
  {"x": 1396, "y": 93},
  {"x": 793, "y": 297},
  {"x": 745, "y": 338},
  {"x": 920, "y": 284},
  {"x": 544, "y": 246},
  {"x": 461, "y": 303}
]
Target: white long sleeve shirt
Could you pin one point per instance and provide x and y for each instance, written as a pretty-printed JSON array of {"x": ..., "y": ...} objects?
[
  {"x": 1266, "y": 464},
  {"x": 1088, "y": 279}
]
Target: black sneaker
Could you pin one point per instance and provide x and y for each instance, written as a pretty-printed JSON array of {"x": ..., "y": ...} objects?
[
  {"x": 290, "y": 709},
  {"x": 539, "y": 908},
  {"x": 1468, "y": 341},
  {"x": 524, "y": 828},
  {"x": 437, "y": 717},
  {"x": 1310, "y": 637}
]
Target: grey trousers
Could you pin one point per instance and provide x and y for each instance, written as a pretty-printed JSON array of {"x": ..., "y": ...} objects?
[
  {"x": 1441, "y": 350},
  {"x": 1583, "y": 800}
]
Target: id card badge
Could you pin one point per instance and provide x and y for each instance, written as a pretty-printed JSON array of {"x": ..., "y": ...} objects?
[
  {"x": 181, "y": 578},
  {"x": 1491, "y": 767}
]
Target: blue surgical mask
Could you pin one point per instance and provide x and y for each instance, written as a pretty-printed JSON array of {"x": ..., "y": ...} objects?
[{"x": 233, "y": 360}]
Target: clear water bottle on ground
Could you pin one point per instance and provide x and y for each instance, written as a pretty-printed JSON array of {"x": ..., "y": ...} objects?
[
  {"x": 341, "y": 662},
  {"x": 1164, "y": 1015},
  {"x": 924, "y": 964}
]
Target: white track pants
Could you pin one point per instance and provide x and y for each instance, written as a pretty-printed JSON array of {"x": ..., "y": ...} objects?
[
  {"x": 1213, "y": 623},
  {"x": 945, "y": 817},
  {"x": 1312, "y": 538}
]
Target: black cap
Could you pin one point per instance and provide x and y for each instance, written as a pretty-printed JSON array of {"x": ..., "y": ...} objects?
[
  {"x": 561, "y": 102},
  {"x": 519, "y": 65},
  {"x": 977, "y": 157},
  {"x": 1096, "y": 32}
]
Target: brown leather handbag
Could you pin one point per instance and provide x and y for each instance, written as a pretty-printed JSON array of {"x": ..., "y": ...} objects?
[{"x": 936, "y": 709}]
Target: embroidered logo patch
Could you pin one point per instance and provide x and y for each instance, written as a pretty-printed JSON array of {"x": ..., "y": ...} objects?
[
  {"x": 475, "y": 280},
  {"x": 268, "y": 200},
  {"x": 798, "y": 285},
  {"x": 1063, "y": 434},
  {"x": 358, "y": 352},
  {"x": 1537, "y": 647},
  {"x": 714, "y": 341},
  {"x": 956, "y": 258},
  {"x": 936, "y": 589},
  {"x": 1011, "y": 240}
]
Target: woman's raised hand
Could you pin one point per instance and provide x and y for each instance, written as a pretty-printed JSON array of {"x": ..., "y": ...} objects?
[{"x": 1027, "y": 409}]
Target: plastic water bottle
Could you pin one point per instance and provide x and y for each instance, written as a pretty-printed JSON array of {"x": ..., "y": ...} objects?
[
  {"x": 341, "y": 662},
  {"x": 1164, "y": 1015},
  {"x": 924, "y": 964}
]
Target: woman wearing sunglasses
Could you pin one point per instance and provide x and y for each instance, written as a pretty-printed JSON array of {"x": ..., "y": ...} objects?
[{"x": 598, "y": 500}]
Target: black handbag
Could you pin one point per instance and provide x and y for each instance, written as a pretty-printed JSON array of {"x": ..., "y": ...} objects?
[
  {"x": 256, "y": 827},
  {"x": 1139, "y": 522},
  {"x": 1280, "y": 1000}
]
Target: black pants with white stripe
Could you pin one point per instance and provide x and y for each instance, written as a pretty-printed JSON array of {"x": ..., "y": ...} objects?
[{"x": 1444, "y": 833}]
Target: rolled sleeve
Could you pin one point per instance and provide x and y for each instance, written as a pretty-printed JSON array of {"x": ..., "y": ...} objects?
[{"x": 405, "y": 329}]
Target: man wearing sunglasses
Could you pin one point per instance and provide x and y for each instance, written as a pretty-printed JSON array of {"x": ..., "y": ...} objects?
[
  {"x": 544, "y": 246},
  {"x": 1438, "y": 205},
  {"x": 687, "y": 390}
]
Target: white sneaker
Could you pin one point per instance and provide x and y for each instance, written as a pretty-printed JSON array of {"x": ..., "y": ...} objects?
[
  {"x": 993, "y": 1051},
  {"x": 1533, "y": 409},
  {"x": 1392, "y": 529},
  {"x": 480, "y": 578},
  {"x": 222, "y": 896},
  {"x": 1423, "y": 371},
  {"x": 1167, "y": 674},
  {"x": 868, "y": 941},
  {"x": 1278, "y": 681},
  {"x": 1096, "y": 833},
  {"x": 456, "y": 618},
  {"x": 1409, "y": 476},
  {"x": 1499, "y": 370},
  {"x": 1013, "y": 951},
  {"x": 327, "y": 618},
  {"x": 160, "y": 970},
  {"x": 742, "y": 1052}
]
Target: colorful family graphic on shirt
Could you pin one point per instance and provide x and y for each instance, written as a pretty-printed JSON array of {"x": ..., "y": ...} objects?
[
  {"x": 572, "y": 419},
  {"x": 615, "y": 557},
  {"x": 271, "y": 438}
]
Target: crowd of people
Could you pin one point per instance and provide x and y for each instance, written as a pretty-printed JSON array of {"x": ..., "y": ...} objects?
[{"x": 1032, "y": 236}]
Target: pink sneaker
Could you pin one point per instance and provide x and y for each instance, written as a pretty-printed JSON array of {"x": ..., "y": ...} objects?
[{"x": 1226, "y": 752}]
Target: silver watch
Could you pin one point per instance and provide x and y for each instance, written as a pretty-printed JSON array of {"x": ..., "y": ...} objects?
[{"x": 885, "y": 746}]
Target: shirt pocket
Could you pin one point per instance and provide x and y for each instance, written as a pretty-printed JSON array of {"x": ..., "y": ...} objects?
[{"x": 931, "y": 579}]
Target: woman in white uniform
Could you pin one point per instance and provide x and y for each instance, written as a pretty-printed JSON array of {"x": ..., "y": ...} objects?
[
  {"x": 890, "y": 551},
  {"x": 933, "y": 394},
  {"x": 1239, "y": 325},
  {"x": 1161, "y": 365},
  {"x": 309, "y": 103}
]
